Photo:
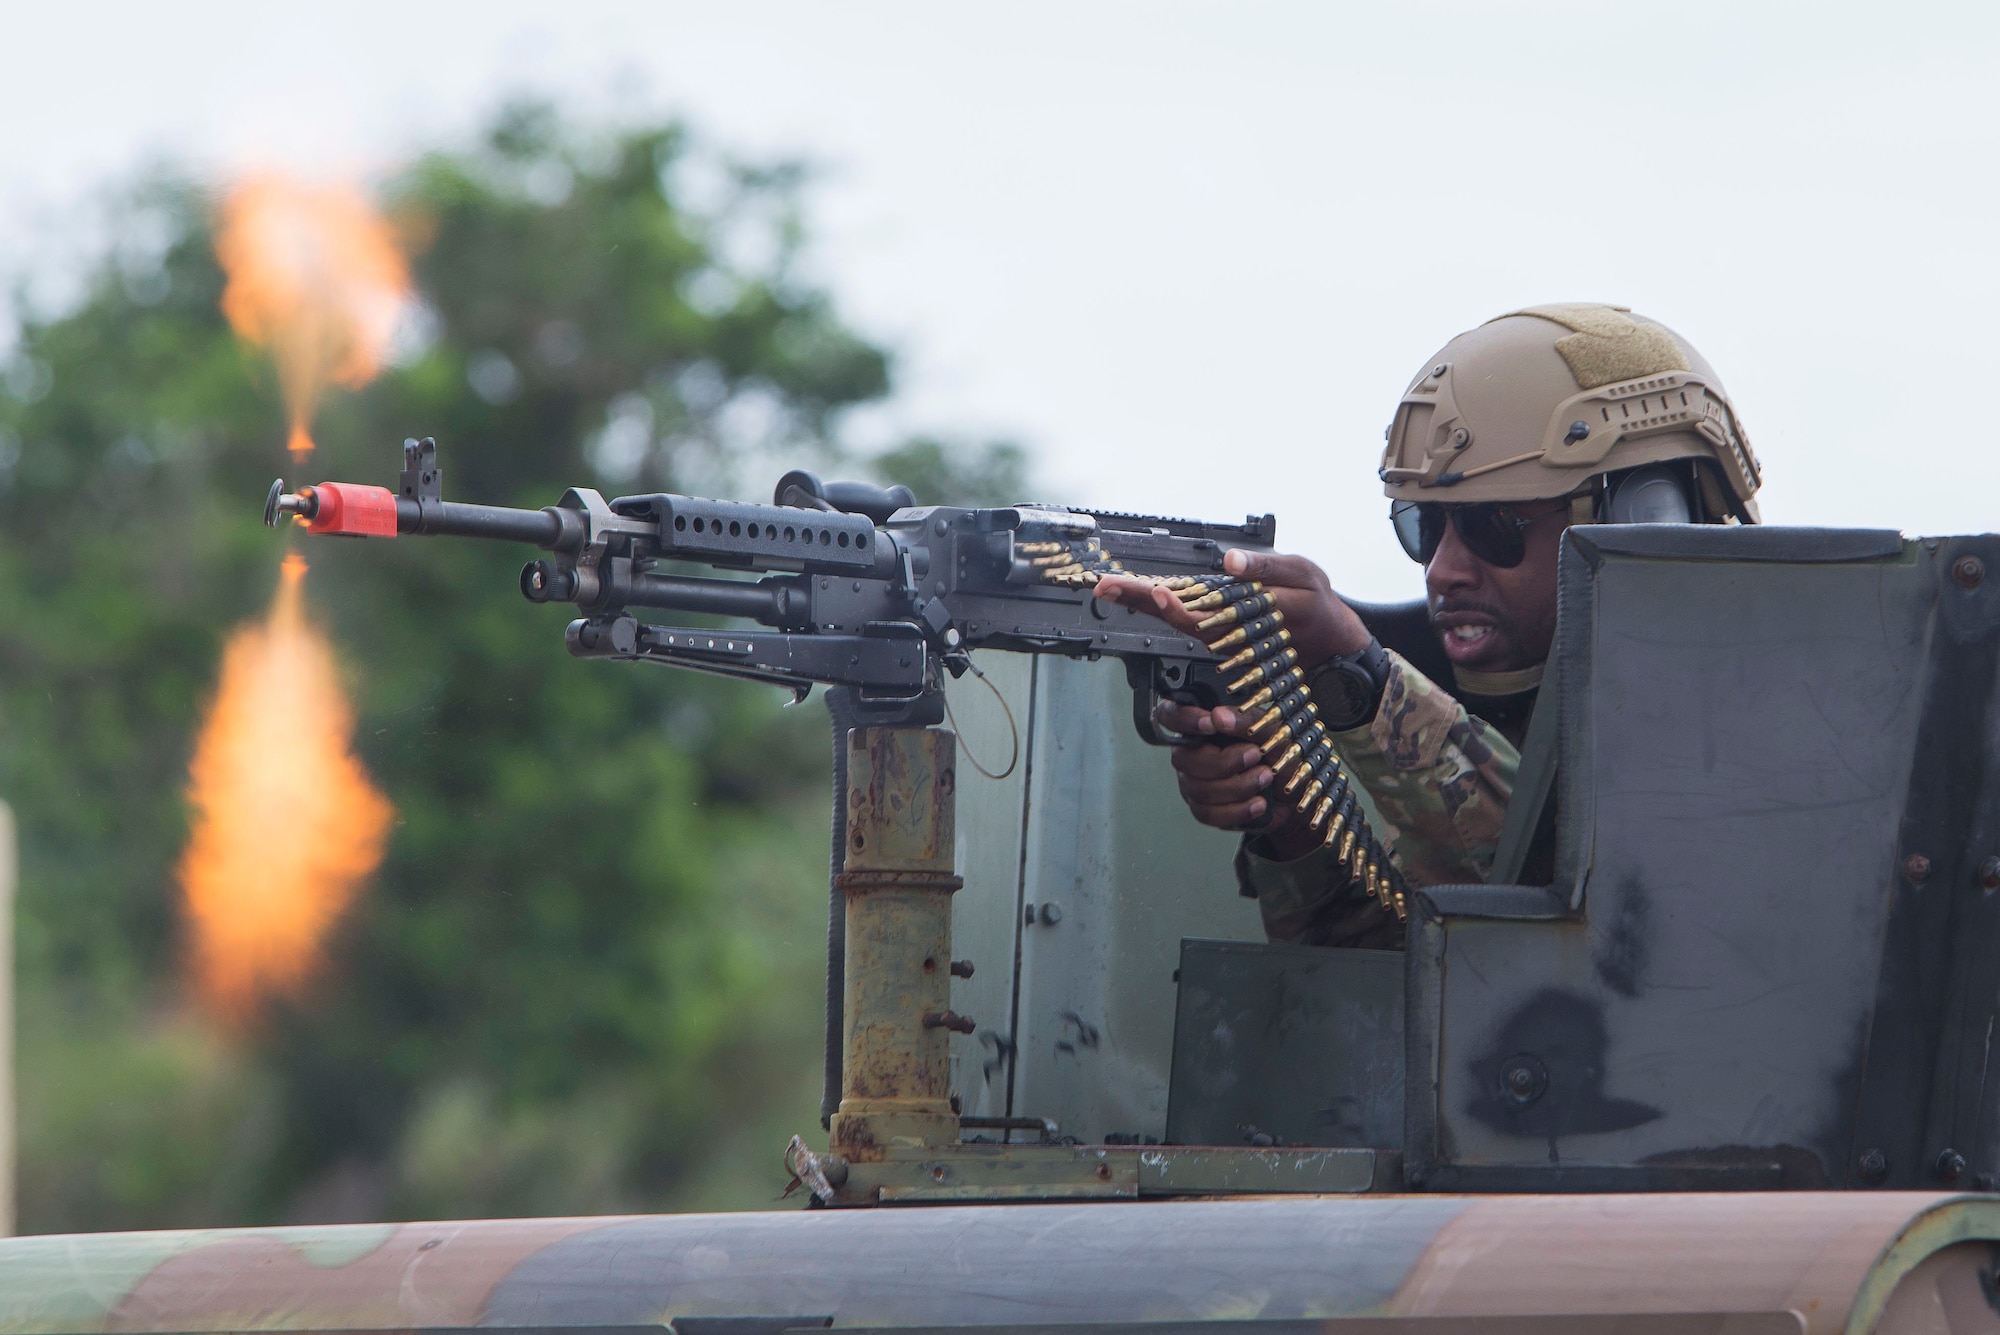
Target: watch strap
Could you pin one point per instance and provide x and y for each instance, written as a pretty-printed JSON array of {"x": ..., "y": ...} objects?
[{"x": 1352, "y": 687}]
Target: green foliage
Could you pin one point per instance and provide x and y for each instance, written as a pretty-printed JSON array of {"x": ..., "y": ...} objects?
[
  {"x": 594, "y": 948},
  {"x": 939, "y": 475}
]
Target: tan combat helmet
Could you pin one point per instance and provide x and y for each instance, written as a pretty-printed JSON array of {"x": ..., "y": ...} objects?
[{"x": 1544, "y": 402}]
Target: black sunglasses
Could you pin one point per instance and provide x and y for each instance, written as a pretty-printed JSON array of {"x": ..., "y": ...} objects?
[{"x": 1490, "y": 530}]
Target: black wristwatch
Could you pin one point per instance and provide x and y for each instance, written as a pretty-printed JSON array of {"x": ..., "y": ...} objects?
[{"x": 1349, "y": 688}]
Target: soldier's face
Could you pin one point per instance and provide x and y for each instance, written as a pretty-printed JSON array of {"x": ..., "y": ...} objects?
[{"x": 1494, "y": 619}]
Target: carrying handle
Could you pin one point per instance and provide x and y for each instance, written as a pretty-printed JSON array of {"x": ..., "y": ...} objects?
[{"x": 801, "y": 489}]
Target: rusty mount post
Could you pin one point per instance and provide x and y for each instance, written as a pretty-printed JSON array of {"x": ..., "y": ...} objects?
[{"x": 898, "y": 883}]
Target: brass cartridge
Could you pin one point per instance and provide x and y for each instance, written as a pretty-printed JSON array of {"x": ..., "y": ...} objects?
[
  {"x": 1298, "y": 728},
  {"x": 1262, "y": 649},
  {"x": 1248, "y": 631},
  {"x": 1283, "y": 684},
  {"x": 1278, "y": 765},
  {"x": 1286, "y": 734},
  {"x": 1238, "y": 659},
  {"x": 1228, "y": 616},
  {"x": 1295, "y": 702},
  {"x": 1332, "y": 789},
  {"x": 1206, "y": 597},
  {"x": 1221, "y": 595},
  {"x": 1197, "y": 586},
  {"x": 1265, "y": 670},
  {"x": 1235, "y": 612},
  {"x": 1264, "y": 625}
]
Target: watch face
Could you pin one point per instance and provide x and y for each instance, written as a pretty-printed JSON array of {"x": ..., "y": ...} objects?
[{"x": 1352, "y": 696}]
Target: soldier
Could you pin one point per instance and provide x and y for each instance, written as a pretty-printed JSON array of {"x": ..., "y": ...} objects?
[{"x": 1536, "y": 420}]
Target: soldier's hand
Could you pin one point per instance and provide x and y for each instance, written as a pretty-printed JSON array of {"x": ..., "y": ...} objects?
[
  {"x": 1222, "y": 782},
  {"x": 1226, "y": 783},
  {"x": 1322, "y": 626}
]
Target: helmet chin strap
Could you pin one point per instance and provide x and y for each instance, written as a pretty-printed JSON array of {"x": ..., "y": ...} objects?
[{"x": 1493, "y": 684}]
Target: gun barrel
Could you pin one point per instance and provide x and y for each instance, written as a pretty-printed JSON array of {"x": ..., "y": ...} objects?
[
  {"x": 456, "y": 519},
  {"x": 356, "y": 510}
]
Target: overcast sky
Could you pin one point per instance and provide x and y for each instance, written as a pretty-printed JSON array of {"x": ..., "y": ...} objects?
[{"x": 1190, "y": 253}]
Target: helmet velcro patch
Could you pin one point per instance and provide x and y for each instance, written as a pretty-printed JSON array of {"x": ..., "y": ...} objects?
[{"x": 1607, "y": 345}]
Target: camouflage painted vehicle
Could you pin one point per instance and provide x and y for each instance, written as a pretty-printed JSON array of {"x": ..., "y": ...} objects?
[
  {"x": 1775, "y": 1264},
  {"x": 1728, "y": 1072}
]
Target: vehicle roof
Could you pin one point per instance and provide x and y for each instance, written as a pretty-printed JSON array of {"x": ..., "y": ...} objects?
[{"x": 1831, "y": 1258}]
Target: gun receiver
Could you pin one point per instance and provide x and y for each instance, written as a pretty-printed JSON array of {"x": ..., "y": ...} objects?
[{"x": 861, "y": 587}]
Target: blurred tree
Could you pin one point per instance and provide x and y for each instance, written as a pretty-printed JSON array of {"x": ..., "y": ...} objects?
[
  {"x": 939, "y": 474},
  {"x": 592, "y": 956}
]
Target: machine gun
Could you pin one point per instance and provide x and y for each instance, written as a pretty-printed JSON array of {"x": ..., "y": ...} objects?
[
  {"x": 862, "y": 588},
  {"x": 865, "y": 590}
]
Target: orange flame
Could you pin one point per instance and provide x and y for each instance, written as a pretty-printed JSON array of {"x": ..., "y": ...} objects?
[
  {"x": 315, "y": 275},
  {"x": 287, "y": 823}
]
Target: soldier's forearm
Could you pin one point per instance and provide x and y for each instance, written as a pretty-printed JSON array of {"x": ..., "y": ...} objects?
[{"x": 1440, "y": 778}]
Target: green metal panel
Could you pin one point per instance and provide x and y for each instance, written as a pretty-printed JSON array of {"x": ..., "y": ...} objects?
[
  {"x": 985, "y": 922},
  {"x": 1289, "y": 1045},
  {"x": 1110, "y": 875}
]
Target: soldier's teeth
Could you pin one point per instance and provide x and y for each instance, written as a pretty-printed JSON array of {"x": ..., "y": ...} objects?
[{"x": 1467, "y": 634}]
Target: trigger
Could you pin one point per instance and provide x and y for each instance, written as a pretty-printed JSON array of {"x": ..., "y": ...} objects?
[{"x": 1150, "y": 732}]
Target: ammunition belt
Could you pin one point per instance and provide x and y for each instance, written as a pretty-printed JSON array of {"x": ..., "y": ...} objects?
[{"x": 1270, "y": 688}]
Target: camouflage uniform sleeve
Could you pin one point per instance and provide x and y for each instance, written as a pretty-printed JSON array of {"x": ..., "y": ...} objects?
[
  {"x": 1311, "y": 901},
  {"x": 1438, "y": 781}
]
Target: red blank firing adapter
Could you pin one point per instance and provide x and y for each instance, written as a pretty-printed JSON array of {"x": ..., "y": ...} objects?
[
  {"x": 337, "y": 508},
  {"x": 349, "y": 507}
]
